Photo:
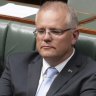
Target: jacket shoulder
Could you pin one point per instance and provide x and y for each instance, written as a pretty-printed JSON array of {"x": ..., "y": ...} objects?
[{"x": 22, "y": 57}]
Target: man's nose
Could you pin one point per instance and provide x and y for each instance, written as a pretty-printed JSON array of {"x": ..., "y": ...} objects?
[{"x": 47, "y": 35}]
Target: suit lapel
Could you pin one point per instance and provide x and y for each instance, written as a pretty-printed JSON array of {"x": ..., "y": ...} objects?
[
  {"x": 72, "y": 68},
  {"x": 34, "y": 70}
]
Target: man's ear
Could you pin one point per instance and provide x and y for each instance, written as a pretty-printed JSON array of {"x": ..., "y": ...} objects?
[{"x": 75, "y": 36}]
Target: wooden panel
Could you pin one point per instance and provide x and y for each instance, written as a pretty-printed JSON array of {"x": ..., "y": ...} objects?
[
  {"x": 87, "y": 20},
  {"x": 23, "y": 20},
  {"x": 87, "y": 30}
]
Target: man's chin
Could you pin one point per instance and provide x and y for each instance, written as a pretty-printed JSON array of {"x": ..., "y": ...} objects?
[{"x": 47, "y": 55}]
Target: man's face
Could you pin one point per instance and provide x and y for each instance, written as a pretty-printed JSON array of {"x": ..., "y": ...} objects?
[{"x": 51, "y": 45}]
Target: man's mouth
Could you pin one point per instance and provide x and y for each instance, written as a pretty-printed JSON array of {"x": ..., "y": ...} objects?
[{"x": 47, "y": 47}]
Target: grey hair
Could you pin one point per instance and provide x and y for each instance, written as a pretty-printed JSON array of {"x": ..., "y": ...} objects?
[{"x": 71, "y": 18}]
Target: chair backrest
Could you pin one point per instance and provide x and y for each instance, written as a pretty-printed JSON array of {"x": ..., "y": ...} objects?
[
  {"x": 87, "y": 45},
  {"x": 3, "y": 34},
  {"x": 86, "y": 6},
  {"x": 20, "y": 38}
]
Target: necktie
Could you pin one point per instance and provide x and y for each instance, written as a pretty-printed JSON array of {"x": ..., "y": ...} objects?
[{"x": 50, "y": 76}]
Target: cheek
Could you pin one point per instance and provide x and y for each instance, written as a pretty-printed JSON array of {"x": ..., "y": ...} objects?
[
  {"x": 70, "y": 40},
  {"x": 65, "y": 40},
  {"x": 61, "y": 45},
  {"x": 64, "y": 44},
  {"x": 38, "y": 42}
]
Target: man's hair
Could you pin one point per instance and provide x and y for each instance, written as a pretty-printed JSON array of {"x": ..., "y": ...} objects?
[
  {"x": 71, "y": 18},
  {"x": 43, "y": 1}
]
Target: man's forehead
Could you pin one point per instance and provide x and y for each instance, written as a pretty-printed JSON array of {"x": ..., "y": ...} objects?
[
  {"x": 51, "y": 20},
  {"x": 53, "y": 13},
  {"x": 54, "y": 6},
  {"x": 58, "y": 8}
]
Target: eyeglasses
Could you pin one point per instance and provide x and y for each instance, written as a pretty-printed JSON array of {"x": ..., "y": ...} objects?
[{"x": 53, "y": 32}]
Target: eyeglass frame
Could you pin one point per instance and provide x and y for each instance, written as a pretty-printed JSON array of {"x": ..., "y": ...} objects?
[{"x": 53, "y": 31}]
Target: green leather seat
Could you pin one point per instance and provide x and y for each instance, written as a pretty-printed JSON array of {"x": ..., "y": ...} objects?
[
  {"x": 20, "y": 38},
  {"x": 87, "y": 45},
  {"x": 3, "y": 34}
]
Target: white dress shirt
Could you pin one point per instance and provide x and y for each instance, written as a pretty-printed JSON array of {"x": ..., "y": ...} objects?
[{"x": 59, "y": 67}]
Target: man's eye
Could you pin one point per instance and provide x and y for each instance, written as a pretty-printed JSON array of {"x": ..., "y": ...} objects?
[
  {"x": 56, "y": 32},
  {"x": 41, "y": 31}
]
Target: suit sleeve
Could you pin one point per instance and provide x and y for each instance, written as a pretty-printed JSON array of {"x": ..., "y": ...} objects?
[
  {"x": 5, "y": 82},
  {"x": 89, "y": 87}
]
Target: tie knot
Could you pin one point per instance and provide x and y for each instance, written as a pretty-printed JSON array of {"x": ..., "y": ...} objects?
[{"x": 50, "y": 72}]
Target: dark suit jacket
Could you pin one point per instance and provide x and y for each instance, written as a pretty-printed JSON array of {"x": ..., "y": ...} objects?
[{"x": 22, "y": 73}]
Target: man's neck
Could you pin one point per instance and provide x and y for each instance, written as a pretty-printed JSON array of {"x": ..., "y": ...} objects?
[{"x": 57, "y": 60}]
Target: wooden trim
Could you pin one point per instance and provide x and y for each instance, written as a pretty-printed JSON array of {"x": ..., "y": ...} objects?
[
  {"x": 87, "y": 30},
  {"x": 87, "y": 20},
  {"x": 23, "y": 20},
  {"x": 29, "y": 21}
]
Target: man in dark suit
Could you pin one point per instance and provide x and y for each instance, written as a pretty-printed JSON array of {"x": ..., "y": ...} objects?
[{"x": 56, "y": 34}]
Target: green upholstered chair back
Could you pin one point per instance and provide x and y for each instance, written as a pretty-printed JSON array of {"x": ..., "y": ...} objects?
[
  {"x": 3, "y": 34},
  {"x": 20, "y": 38},
  {"x": 87, "y": 44}
]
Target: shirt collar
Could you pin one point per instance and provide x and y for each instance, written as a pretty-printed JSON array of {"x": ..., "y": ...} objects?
[{"x": 59, "y": 67}]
